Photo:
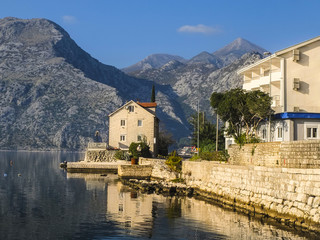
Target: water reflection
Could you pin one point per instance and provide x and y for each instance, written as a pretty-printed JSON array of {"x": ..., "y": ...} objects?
[
  {"x": 156, "y": 216},
  {"x": 45, "y": 202}
]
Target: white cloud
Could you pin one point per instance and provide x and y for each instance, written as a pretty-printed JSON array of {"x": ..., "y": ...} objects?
[
  {"x": 69, "y": 19},
  {"x": 200, "y": 28}
]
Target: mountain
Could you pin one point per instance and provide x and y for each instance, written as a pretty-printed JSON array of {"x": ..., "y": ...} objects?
[
  {"x": 205, "y": 73},
  {"x": 152, "y": 61},
  {"x": 193, "y": 82},
  {"x": 236, "y": 49},
  {"x": 54, "y": 95},
  {"x": 205, "y": 57},
  {"x": 219, "y": 58}
]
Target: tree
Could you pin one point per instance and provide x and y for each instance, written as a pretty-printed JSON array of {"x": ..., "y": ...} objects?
[
  {"x": 164, "y": 141},
  {"x": 242, "y": 111},
  {"x": 153, "y": 94},
  {"x": 207, "y": 133}
]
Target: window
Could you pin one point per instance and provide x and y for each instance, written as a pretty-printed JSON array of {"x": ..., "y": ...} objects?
[
  {"x": 122, "y": 122},
  {"x": 139, "y": 138},
  {"x": 122, "y": 138},
  {"x": 280, "y": 132},
  {"x": 131, "y": 108},
  {"x": 264, "y": 133},
  {"x": 312, "y": 132},
  {"x": 266, "y": 72},
  {"x": 139, "y": 123}
]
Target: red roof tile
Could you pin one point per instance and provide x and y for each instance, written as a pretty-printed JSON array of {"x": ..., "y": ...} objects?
[{"x": 147, "y": 104}]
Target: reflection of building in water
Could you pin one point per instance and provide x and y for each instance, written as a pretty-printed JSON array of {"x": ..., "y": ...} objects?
[
  {"x": 94, "y": 181},
  {"x": 129, "y": 208}
]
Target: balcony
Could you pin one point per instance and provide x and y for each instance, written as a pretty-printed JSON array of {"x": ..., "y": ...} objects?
[{"x": 262, "y": 81}]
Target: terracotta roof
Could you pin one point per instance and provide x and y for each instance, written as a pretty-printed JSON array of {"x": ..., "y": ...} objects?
[{"x": 147, "y": 104}]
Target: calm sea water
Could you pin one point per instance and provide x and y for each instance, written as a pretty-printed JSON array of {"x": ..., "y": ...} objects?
[{"x": 38, "y": 200}]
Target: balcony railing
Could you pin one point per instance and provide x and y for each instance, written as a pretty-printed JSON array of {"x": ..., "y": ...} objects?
[{"x": 259, "y": 81}]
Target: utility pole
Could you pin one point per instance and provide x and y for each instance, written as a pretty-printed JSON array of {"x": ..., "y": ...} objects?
[
  {"x": 270, "y": 72},
  {"x": 217, "y": 133},
  {"x": 198, "y": 139}
]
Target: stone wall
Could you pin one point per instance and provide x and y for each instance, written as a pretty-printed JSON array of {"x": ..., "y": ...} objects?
[
  {"x": 289, "y": 194},
  {"x": 300, "y": 154},
  {"x": 160, "y": 169},
  {"x": 100, "y": 156},
  {"x": 297, "y": 154},
  {"x": 135, "y": 171}
]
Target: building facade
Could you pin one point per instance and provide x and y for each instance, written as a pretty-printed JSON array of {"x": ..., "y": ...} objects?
[
  {"x": 134, "y": 122},
  {"x": 292, "y": 78}
]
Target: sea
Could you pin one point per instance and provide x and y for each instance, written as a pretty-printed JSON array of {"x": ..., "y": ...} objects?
[{"x": 39, "y": 200}]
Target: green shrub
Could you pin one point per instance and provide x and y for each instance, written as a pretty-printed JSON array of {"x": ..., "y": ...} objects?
[
  {"x": 209, "y": 147},
  {"x": 121, "y": 155},
  {"x": 174, "y": 162},
  {"x": 243, "y": 139},
  {"x": 221, "y": 156},
  {"x": 195, "y": 157},
  {"x": 145, "y": 152}
]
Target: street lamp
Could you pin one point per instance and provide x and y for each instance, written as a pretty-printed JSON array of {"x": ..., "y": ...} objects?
[{"x": 269, "y": 125}]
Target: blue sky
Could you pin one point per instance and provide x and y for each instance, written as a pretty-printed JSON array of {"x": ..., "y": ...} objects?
[{"x": 123, "y": 32}]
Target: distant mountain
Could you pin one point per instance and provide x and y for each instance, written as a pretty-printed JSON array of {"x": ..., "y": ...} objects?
[
  {"x": 219, "y": 58},
  {"x": 54, "y": 95},
  {"x": 236, "y": 49},
  {"x": 152, "y": 61},
  {"x": 204, "y": 73},
  {"x": 191, "y": 82},
  {"x": 204, "y": 58}
]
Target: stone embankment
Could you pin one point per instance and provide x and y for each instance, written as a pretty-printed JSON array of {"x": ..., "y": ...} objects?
[
  {"x": 280, "y": 180},
  {"x": 289, "y": 194},
  {"x": 297, "y": 154}
]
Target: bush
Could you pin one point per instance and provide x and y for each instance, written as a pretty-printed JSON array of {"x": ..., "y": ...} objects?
[
  {"x": 122, "y": 155},
  {"x": 195, "y": 157},
  {"x": 243, "y": 139},
  {"x": 174, "y": 162},
  {"x": 145, "y": 152},
  {"x": 221, "y": 156},
  {"x": 208, "y": 148}
]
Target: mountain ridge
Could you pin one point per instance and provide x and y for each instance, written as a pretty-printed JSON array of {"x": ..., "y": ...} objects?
[
  {"x": 220, "y": 58},
  {"x": 153, "y": 61},
  {"x": 55, "y": 95}
]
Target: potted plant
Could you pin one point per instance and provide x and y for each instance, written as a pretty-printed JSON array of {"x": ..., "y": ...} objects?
[
  {"x": 135, "y": 153},
  {"x": 140, "y": 149}
]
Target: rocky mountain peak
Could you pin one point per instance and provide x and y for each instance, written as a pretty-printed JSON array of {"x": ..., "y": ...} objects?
[
  {"x": 205, "y": 58},
  {"x": 239, "y": 47},
  {"x": 30, "y": 32},
  {"x": 153, "y": 61}
]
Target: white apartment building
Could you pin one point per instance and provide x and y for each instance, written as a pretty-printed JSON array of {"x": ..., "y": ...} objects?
[{"x": 292, "y": 78}]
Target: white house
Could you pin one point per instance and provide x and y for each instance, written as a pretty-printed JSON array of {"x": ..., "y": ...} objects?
[
  {"x": 134, "y": 122},
  {"x": 292, "y": 78}
]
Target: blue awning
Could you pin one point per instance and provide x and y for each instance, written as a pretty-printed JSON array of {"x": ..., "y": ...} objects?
[{"x": 291, "y": 115}]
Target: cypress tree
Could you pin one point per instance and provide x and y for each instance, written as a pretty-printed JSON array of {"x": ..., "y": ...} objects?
[{"x": 153, "y": 94}]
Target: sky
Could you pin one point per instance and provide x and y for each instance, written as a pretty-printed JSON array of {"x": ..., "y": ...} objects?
[{"x": 123, "y": 32}]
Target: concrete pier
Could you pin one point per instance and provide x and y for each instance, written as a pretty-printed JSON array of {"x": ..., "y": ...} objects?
[{"x": 95, "y": 167}]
